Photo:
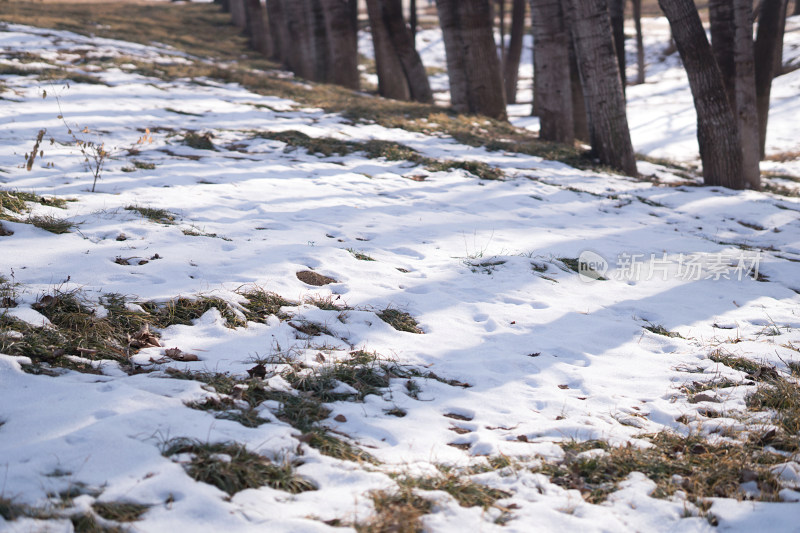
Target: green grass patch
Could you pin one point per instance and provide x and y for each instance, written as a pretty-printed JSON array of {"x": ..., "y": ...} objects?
[
  {"x": 674, "y": 462},
  {"x": 360, "y": 255},
  {"x": 658, "y": 329},
  {"x": 231, "y": 467},
  {"x": 198, "y": 141},
  {"x": 50, "y": 223},
  {"x": 161, "y": 216},
  {"x": 457, "y": 484},
  {"x": 120, "y": 511},
  {"x": 399, "y": 320},
  {"x": 261, "y": 304}
]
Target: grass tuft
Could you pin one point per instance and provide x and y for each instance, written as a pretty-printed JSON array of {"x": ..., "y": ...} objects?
[
  {"x": 399, "y": 320},
  {"x": 161, "y": 216},
  {"x": 50, "y": 223},
  {"x": 120, "y": 511},
  {"x": 198, "y": 141},
  {"x": 231, "y": 467},
  {"x": 396, "y": 512}
]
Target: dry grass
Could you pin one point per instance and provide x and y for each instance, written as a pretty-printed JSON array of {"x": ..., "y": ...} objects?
[{"x": 231, "y": 467}]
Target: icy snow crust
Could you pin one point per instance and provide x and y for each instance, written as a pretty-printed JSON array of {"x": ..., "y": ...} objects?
[{"x": 549, "y": 357}]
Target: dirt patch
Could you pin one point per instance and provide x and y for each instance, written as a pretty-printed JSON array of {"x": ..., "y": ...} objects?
[{"x": 313, "y": 278}]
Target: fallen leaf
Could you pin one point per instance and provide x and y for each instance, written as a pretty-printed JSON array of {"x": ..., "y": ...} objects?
[
  {"x": 340, "y": 418},
  {"x": 178, "y": 355},
  {"x": 259, "y": 371},
  {"x": 143, "y": 338}
]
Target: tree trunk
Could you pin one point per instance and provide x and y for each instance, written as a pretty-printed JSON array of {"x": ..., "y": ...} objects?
[
  {"x": 319, "y": 41},
  {"x": 778, "y": 68},
  {"x": 512, "y": 57},
  {"x": 616, "y": 11},
  {"x": 796, "y": 7},
  {"x": 279, "y": 30},
  {"x": 225, "y": 6},
  {"x": 717, "y": 134},
  {"x": 502, "y": 28},
  {"x": 602, "y": 84},
  {"x": 745, "y": 92},
  {"x": 238, "y": 16},
  {"x": 723, "y": 37},
  {"x": 300, "y": 45},
  {"x": 766, "y": 49},
  {"x": 637, "y": 20},
  {"x": 412, "y": 21},
  {"x": 341, "y": 24},
  {"x": 401, "y": 74},
  {"x": 257, "y": 29},
  {"x": 476, "y": 84},
  {"x": 580, "y": 118},
  {"x": 551, "y": 50}
]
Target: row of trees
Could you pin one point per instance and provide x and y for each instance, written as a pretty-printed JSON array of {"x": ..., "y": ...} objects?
[{"x": 579, "y": 65}]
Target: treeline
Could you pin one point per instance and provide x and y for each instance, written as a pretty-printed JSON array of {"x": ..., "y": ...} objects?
[{"x": 579, "y": 64}]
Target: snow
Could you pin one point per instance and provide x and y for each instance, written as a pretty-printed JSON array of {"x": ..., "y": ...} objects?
[{"x": 549, "y": 357}]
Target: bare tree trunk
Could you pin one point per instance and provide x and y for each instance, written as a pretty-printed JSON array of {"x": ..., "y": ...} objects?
[
  {"x": 602, "y": 84},
  {"x": 224, "y": 5},
  {"x": 717, "y": 133},
  {"x": 554, "y": 102},
  {"x": 637, "y": 20},
  {"x": 796, "y": 7},
  {"x": 412, "y": 21},
  {"x": 341, "y": 23},
  {"x": 238, "y": 16},
  {"x": 580, "y": 117},
  {"x": 745, "y": 99},
  {"x": 476, "y": 84},
  {"x": 401, "y": 74},
  {"x": 511, "y": 59},
  {"x": 300, "y": 45},
  {"x": 279, "y": 30},
  {"x": 778, "y": 69},
  {"x": 502, "y": 27},
  {"x": 257, "y": 29},
  {"x": 765, "y": 52},
  {"x": 616, "y": 11},
  {"x": 723, "y": 37}
]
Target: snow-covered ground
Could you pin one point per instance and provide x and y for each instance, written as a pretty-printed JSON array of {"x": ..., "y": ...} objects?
[{"x": 548, "y": 355}]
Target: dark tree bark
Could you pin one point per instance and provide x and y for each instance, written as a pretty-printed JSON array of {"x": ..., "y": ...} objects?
[
  {"x": 279, "y": 30},
  {"x": 616, "y": 11},
  {"x": 717, "y": 133},
  {"x": 341, "y": 23},
  {"x": 766, "y": 49},
  {"x": 637, "y": 20},
  {"x": 580, "y": 118},
  {"x": 298, "y": 49},
  {"x": 319, "y": 41},
  {"x": 778, "y": 68},
  {"x": 257, "y": 29},
  {"x": 723, "y": 37},
  {"x": 551, "y": 53},
  {"x": 745, "y": 92},
  {"x": 238, "y": 16},
  {"x": 502, "y": 27},
  {"x": 224, "y": 5},
  {"x": 796, "y": 7},
  {"x": 602, "y": 84},
  {"x": 512, "y": 56},
  {"x": 476, "y": 83},
  {"x": 412, "y": 21},
  {"x": 401, "y": 74}
]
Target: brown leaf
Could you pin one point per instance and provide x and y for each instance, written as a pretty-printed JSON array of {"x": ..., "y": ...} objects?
[
  {"x": 178, "y": 355},
  {"x": 143, "y": 338},
  {"x": 319, "y": 358},
  {"x": 522, "y": 438},
  {"x": 340, "y": 418},
  {"x": 259, "y": 371}
]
